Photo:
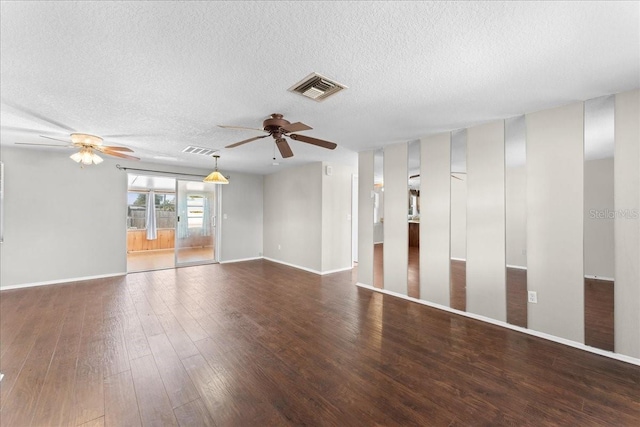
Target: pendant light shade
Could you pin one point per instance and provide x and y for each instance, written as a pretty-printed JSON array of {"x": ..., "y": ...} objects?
[{"x": 216, "y": 177}]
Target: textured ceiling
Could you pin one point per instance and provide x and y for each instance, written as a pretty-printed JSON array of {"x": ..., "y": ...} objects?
[{"x": 166, "y": 73}]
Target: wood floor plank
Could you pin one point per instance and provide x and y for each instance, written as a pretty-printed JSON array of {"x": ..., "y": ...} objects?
[
  {"x": 194, "y": 414},
  {"x": 121, "y": 406},
  {"x": 116, "y": 357},
  {"x": 211, "y": 390},
  {"x": 272, "y": 345},
  {"x": 56, "y": 400},
  {"x": 89, "y": 388},
  {"x": 181, "y": 342},
  {"x": 153, "y": 402},
  {"x": 97, "y": 422},
  {"x": 24, "y": 385},
  {"x": 178, "y": 385}
]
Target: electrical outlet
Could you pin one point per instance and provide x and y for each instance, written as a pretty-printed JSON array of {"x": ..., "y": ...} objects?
[{"x": 533, "y": 297}]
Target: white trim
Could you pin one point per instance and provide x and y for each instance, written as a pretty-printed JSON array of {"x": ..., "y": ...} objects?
[
  {"x": 608, "y": 279},
  {"x": 57, "y": 282},
  {"x": 321, "y": 273},
  {"x": 518, "y": 267},
  {"x": 337, "y": 270},
  {"x": 574, "y": 344},
  {"x": 231, "y": 261}
]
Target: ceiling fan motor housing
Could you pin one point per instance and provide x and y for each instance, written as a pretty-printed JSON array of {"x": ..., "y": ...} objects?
[{"x": 274, "y": 124}]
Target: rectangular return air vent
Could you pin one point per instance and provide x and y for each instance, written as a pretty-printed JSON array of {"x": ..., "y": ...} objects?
[
  {"x": 199, "y": 150},
  {"x": 317, "y": 87}
]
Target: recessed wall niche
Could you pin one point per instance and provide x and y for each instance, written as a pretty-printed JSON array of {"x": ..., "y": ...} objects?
[
  {"x": 516, "y": 220},
  {"x": 458, "y": 247},
  {"x": 599, "y": 218},
  {"x": 413, "y": 218},
  {"x": 378, "y": 219}
]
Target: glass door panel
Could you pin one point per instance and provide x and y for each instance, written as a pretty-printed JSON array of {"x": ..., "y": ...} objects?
[{"x": 196, "y": 223}]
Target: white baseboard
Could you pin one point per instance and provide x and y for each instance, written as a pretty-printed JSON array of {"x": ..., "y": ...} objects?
[
  {"x": 574, "y": 344},
  {"x": 240, "y": 260},
  {"x": 321, "y": 273},
  {"x": 57, "y": 282},
  {"x": 338, "y": 270},
  {"x": 607, "y": 279}
]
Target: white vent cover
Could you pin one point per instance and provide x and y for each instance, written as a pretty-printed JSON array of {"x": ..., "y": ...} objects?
[
  {"x": 317, "y": 87},
  {"x": 199, "y": 150}
]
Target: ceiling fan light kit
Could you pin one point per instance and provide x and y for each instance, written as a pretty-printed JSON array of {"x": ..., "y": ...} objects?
[
  {"x": 216, "y": 177},
  {"x": 86, "y": 157}
]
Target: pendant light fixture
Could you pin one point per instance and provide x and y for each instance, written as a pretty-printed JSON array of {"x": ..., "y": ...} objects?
[{"x": 215, "y": 176}]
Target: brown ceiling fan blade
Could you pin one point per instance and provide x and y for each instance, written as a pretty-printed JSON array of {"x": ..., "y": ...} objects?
[
  {"x": 116, "y": 154},
  {"x": 284, "y": 148},
  {"x": 314, "y": 141},
  {"x": 45, "y": 145},
  {"x": 296, "y": 127},
  {"x": 245, "y": 141},
  {"x": 36, "y": 115},
  {"x": 455, "y": 177},
  {"x": 240, "y": 127},
  {"x": 55, "y": 139},
  {"x": 115, "y": 148},
  {"x": 414, "y": 176}
]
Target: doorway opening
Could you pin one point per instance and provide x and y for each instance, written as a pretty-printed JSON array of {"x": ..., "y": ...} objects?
[{"x": 170, "y": 223}]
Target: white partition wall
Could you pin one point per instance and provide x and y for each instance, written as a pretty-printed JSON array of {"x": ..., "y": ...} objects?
[
  {"x": 627, "y": 228},
  {"x": 435, "y": 193},
  {"x": 555, "y": 164},
  {"x": 486, "y": 287},
  {"x": 365, "y": 218},
  {"x": 396, "y": 230}
]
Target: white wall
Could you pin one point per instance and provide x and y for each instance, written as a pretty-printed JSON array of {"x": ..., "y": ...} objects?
[
  {"x": 63, "y": 222},
  {"x": 599, "y": 253},
  {"x": 459, "y": 218},
  {"x": 435, "y": 190},
  {"x": 378, "y": 226},
  {"x": 336, "y": 217},
  {"x": 555, "y": 165},
  {"x": 627, "y": 230},
  {"x": 242, "y": 229},
  {"x": 365, "y": 218},
  {"x": 516, "y": 215},
  {"x": 552, "y": 209},
  {"x": 293, "y": 216},
  {"x": 396, "y": 226},
  {"x": 486, "y": 287}
]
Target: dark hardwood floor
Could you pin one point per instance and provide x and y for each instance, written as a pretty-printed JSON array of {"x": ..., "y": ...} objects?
[
  {"x": 517, "y": 297},
  {"x": 261, "y": 344},
  {"x": 598, "y": 313},
  {"x": 598, "y": 296}
]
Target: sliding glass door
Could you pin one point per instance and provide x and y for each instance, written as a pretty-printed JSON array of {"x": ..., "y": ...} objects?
[{"x": 196, "y": 226}]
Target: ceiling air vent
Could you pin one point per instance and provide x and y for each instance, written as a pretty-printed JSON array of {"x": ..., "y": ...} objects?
[
  {"x": 199, "y": 150},
  {"x": 317, "y": 87}
]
